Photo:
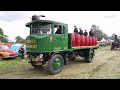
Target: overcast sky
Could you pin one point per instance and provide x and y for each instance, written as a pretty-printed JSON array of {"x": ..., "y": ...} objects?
[{"x": 13, "y": 22}]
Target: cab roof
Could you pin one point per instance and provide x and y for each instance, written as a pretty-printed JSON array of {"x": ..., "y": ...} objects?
[{"x": 47, "y": 21}]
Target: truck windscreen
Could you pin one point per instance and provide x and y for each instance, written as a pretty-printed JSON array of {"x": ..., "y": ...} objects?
[{"x": 40, "y": 28}]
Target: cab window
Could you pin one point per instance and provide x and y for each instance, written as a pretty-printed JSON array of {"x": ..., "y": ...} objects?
[
  {"x": 41, "y": 28},
  {"x": 57, "y": 29}
]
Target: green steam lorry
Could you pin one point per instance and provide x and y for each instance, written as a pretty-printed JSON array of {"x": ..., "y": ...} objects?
[{"x": 51, "y": 50}]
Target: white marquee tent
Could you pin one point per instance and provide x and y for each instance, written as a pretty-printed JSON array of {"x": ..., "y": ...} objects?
[{"x": 103, "y": 40}]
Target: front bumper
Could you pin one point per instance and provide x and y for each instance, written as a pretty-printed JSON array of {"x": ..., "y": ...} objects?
[{"x": 9, "y": 56}]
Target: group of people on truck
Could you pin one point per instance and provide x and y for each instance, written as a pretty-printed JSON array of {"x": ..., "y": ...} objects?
[{"x": 85, "y": 33}]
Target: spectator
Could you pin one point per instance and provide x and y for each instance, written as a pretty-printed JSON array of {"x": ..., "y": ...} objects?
[
  {"x": 80, "y": 31},
  {"x": 85, "y": 33},
  {"x": 22, "y": 51},
  {"x": 91, "y": 33},
  {"x": 75, "y": 29}
]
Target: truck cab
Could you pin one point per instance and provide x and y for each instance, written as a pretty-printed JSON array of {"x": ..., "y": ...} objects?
[{"x": 46, "y": 36}]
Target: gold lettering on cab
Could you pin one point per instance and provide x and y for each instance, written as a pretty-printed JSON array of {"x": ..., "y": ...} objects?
[
  {"x": 31, "y": 46},
  {"x": 31, "y": 41},
  {"x": 57, "y": 48}
]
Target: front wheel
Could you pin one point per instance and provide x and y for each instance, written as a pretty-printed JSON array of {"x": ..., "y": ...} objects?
[{"x": 55, "y": 64}]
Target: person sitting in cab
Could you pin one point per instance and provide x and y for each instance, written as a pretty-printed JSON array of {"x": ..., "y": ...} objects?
[{"x": 59, "y": 30}]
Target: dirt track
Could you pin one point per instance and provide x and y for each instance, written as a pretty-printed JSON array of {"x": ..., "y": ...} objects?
[{"x": 106, "y": 65}]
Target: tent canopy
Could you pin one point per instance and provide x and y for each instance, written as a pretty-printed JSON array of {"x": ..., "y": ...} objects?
[{"x": 103, "y": 40}]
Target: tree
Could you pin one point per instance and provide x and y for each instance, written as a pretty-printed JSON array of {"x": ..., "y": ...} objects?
[
  {"x": 1, "y": 32},
  {"x": 94, "y": 27},
  {"x": 113, "y": 36},
  {"x": 99, "y": 33},
  {"x": 3, "y": 38},
  {"x": 19, "y": 39},
  {"x": 105, "y": 36}
]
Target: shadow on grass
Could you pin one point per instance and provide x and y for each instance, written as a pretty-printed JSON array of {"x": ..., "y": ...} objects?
[
  {"x": 38, "y": 72},
  {"x": 9, "y": 59}
]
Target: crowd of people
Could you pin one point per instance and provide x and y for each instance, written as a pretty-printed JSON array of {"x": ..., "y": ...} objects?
[{"x": 85, "y": 33}]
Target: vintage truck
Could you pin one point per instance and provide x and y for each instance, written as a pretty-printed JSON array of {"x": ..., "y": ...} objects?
[{"x": 49, "y": 48}]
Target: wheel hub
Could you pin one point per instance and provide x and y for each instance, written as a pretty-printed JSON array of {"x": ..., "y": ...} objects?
[{"x": 57, "y": 64}]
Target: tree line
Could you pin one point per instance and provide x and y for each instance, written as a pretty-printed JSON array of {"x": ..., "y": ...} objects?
[{"x": 5, "y": 39}]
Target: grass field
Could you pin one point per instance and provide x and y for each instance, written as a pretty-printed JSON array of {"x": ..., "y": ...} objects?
[
  {"x": 12, "y": 65},
  {"x": 106, "y": 65}
]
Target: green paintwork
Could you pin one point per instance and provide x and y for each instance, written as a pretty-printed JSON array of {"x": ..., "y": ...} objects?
[
  {"x": 59, "y": 41},
  {"x": 42, "y": 42},
  {"x": 57, "y": 64}
]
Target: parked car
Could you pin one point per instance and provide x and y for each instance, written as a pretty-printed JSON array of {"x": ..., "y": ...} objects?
[
  {"x": 16, "y": 48},
  {"x": 6, "y": 52}
]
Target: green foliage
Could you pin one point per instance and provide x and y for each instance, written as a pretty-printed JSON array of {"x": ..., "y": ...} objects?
[
  {"x": 3, "y": 38},
  {"x": 19, "y": 39},
  {"x": 99, "y": 33},
  {"x": 113, "y": 36},
  {"x": 1, "y": 32}
]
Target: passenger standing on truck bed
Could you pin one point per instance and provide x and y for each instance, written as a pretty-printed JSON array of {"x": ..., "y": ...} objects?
[
  {"x": 85, "y": 33},
  {"x": 80, "y": 31},
  {"x": 91, "y": 33},
  {"x": 75, "y": 29}
]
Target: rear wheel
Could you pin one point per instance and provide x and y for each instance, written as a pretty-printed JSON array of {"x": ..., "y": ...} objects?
[
  {"x": 1, "y": 57},
  {"x": 55, "y": 64},
  {"x": 90, "y": 55}
]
